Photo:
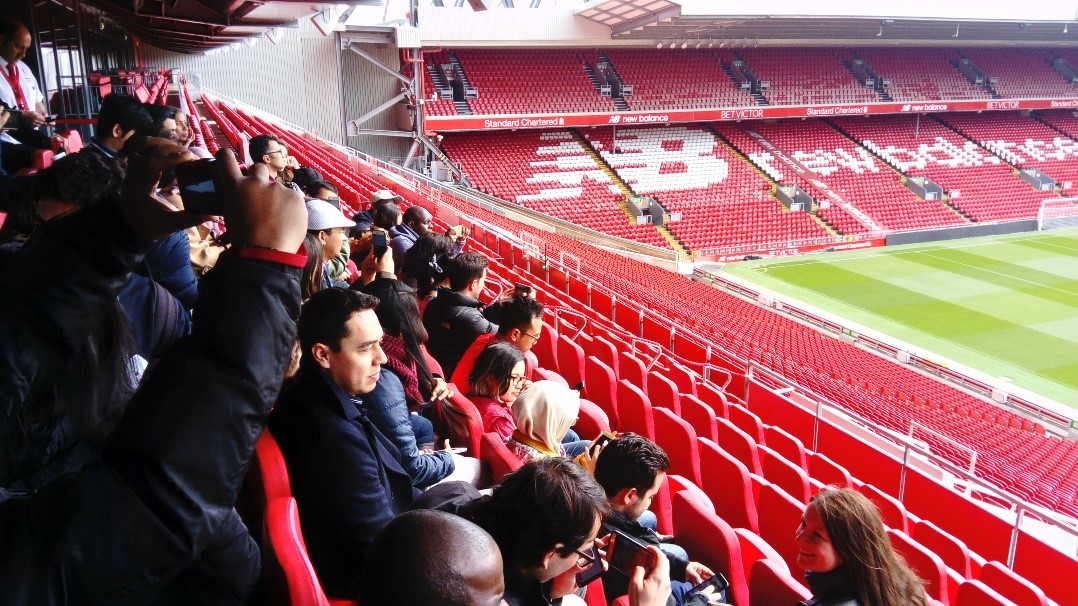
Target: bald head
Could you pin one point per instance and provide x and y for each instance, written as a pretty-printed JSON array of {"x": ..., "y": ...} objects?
[
  {"x": 14, "y": 39},
  {"x": 435, "y": 558}
]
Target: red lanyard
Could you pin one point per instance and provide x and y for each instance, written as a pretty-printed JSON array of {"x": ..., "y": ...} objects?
[{"x": 12, "y": 75}]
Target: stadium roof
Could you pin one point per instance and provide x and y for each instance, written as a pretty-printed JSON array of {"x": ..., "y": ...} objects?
[
  {"x": 196, "y": 25},
  {"x": 773, "y": 22}
]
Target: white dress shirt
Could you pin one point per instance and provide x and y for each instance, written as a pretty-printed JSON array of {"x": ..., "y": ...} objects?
[{"x": 29, "y": 88}]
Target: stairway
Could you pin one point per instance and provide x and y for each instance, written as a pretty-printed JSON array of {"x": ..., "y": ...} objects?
[
  {"x": 460, "y": 71},
  {"x": 971, "y": 72},
  {"x": 463, "y": 107},
  {"x": 672, "y": 239},
  {"x": 619, "y": 101},
  {"x": 439, "y": 80}
]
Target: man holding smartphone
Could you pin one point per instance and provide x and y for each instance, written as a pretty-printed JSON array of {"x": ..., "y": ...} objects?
[
  {"x": 631, "y": 469},
  {"x": 19, "y": 92}
]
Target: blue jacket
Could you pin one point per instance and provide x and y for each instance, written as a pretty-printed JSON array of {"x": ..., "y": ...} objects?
[
  {"x": 388, "y": 409},
  {"x": 168, "y": 262},
  {"x": 346, "y": 476}
]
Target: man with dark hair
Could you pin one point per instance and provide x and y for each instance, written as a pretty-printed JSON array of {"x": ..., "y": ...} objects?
[
  {"x": 321, "y": 189},
  {"x": 520, "y": 322},
  {"x": 543, "y": 516},
  {"x": 434, "y": 559},
  {"x": 268, "y": 150},
  {"x": 120, "y": 117},
  {"x": 454, "y": 319},
  {"x": 346, "y": 476},
  {"x": 416, "y": 222},
  {"x": 631, "y": 469}
]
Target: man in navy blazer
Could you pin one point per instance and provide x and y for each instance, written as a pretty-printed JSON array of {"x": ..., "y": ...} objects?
[{"x": 346, "y": 476}]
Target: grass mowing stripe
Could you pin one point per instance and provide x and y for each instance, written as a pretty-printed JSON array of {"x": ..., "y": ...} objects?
[
  {"x": 985, "y": 334},
  {"x": 1034, "y": 289},
  {"x": 1064, "y": 291}
]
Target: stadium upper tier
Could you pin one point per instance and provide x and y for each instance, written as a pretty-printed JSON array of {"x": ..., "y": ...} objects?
[{"x": 513, "y": 81}]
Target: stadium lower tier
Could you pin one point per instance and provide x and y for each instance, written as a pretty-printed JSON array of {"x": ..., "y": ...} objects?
[
  {"x": 642, "y": 340},
  {"x": 724, "y": 180}
]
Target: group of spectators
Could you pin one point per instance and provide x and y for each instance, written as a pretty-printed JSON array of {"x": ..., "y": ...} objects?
[{"x": 144, "y": 355}]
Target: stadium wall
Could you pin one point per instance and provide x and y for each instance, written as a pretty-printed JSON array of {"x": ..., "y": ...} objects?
[
  {"x": 366, "y": 86},
  {"x": 966, "y": 231},
  {"x": 296, "y": 79}
]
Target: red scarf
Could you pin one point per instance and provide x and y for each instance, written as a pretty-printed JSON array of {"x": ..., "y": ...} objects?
[
  {"x": 12, "y": 75},
  {"x": 403, "y": 365}
]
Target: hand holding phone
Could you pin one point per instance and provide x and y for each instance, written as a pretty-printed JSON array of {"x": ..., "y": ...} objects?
[
  {"x": 198, "y": 187},
  {"x": 625, "y": 554},
  {"x": 381, "y": 241}
]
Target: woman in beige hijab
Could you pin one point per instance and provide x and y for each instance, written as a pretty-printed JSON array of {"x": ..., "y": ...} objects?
[{"x": 543, "y": 413}]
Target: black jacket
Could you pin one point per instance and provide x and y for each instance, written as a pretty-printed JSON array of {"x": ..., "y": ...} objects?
[
  {"x": 834, "y": 588},
  {"x": 346, "y": 476},
  {"x": 161, "y": 497},
  {"x": 453, "y": 321}
]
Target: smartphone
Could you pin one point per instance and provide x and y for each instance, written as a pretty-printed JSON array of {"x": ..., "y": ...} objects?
[
  {"x": 593, "y": 571},
  {"x": 522, "y": 290},
  {"x": 198, "y": 187},
  {"x": 381, "y": 242},
  {"x": 717, "y": 581},
  {"x": 627, "y": 553},
  {"x": 603, "y": 438}
]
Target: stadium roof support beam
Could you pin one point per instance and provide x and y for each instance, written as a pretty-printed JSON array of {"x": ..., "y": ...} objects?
[
  {"x": 627, "y": 26},
  {"x": 354, "y": 124},
  {"x": 355, "y": 48}
]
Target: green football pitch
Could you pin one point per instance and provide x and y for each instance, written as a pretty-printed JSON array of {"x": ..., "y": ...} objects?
[{"x": 1006, "y": 306}]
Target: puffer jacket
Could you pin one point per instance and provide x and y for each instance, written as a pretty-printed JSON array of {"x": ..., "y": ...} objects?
[
  {"x": 126, "y": 527},
  {"x": 388, "y": 410},
  {"x": 453, "y": 321}
]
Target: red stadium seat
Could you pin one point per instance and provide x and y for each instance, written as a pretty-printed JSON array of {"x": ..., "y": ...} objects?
[
  {"x": 754, "y": 547},
  {"x": 288, "y": 568},
  {"x": 700, "y": 416},
  {"x": 1011, "y": 586},
  {"x": 591, "y": 421},
  {"x": 785, "y": 474},
  {"x": 497, "y": 457},
  {"x": 892, "y": 511},
  {"x": 780, "y": 515},
  {"x": 827, "y": 472},
  {"x": 711, "y": 541},
  {"x": 678, "y": 439},
  {"x": 727, "y": 483},
  {"x": 634, "y": 410},
  {"x": 770, "y": 585},
  {"x": 785, "y": 444},
  {"x": 570, "y": 361},
  {"x": 976, "y": 593},
  {"x": 928, "y": 566},
  {"x": 740, "y": 445},
  {"x": 600, "y": 386}
]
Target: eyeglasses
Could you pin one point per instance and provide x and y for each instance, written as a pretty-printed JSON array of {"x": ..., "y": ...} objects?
[
  {"x": 535, "y": 337},
  {"x": 517, "y": 379},
  {"x": 587, "y": 558},
  {"x": 282, "y": 151}
]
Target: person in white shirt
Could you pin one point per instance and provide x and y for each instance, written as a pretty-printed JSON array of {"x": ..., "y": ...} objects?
[{"x": 19, "y": 91}]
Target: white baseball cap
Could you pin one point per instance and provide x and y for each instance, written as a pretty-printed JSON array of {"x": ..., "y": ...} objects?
[{"x": 322, "y": 215}]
